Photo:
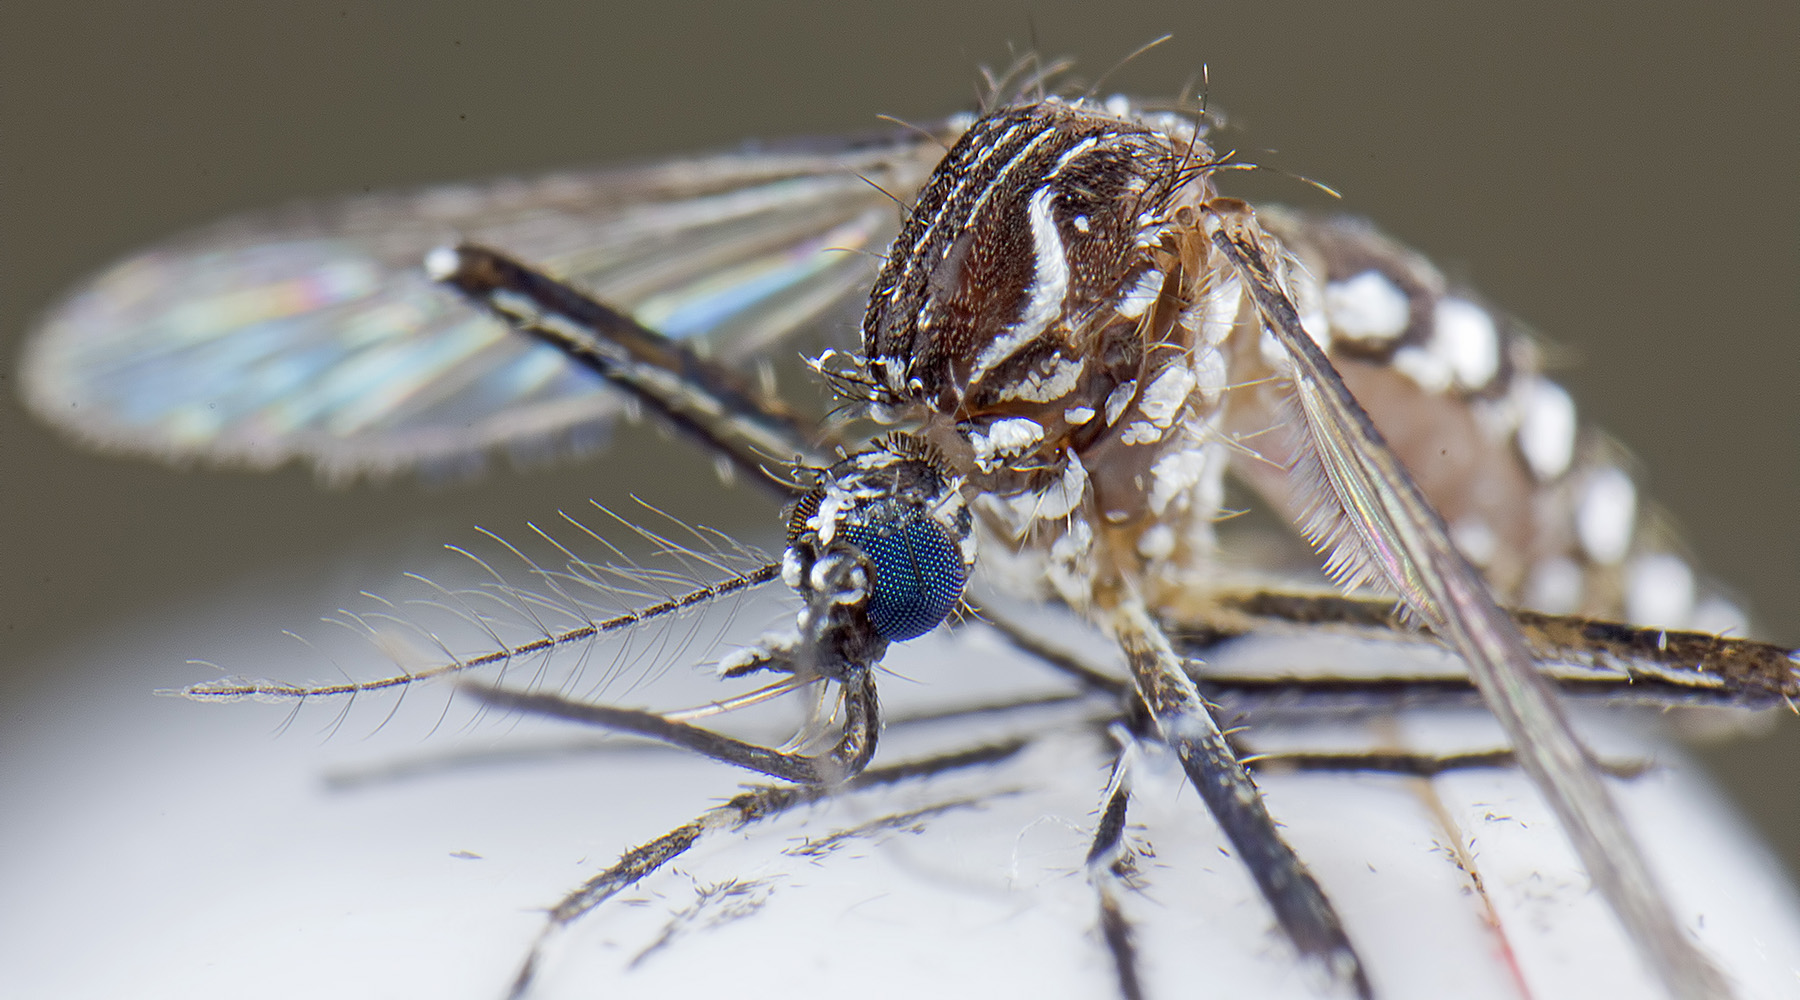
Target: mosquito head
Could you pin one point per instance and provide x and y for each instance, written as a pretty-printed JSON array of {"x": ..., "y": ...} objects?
[{"x": 886, "y": 536}]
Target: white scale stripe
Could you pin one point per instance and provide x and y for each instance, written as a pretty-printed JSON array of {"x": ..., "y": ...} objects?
[
  {"x": 1076, "y": 150},
  {"x": 1049, "y": 287},
  {"x": 962, "y": 181},
  {"x": 998, "y": 141},
  {"x": 973, "y": 211}
]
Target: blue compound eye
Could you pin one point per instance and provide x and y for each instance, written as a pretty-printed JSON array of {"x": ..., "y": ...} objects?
[{"x": 918, "y": 571}]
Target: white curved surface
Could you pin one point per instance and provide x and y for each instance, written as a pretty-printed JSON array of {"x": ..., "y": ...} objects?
[{"x": 152, "y": 847}]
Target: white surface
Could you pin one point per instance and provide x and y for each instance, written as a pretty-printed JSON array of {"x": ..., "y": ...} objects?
[{"x": 153, "y": 847}]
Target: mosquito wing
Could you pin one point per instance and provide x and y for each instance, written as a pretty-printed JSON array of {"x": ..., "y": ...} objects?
[
  {"x": 313, "y": 332},
  {"x": 1377, "y": 525}
]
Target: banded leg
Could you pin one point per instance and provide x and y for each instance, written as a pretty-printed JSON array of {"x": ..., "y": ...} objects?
[
  {"x": 1655, "y": 665},
  {"x": 701, "y": 398},
  {"x": 1187, "y": 726},
  {"x": 1109, "y": 865},
  {"x": 1415, "y": 765}
]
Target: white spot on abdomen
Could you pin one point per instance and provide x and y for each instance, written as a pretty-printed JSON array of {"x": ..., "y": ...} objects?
[
  {"x": 1554, "y": 587},
  {"x": 1605, "y": 515},
  {"x": 1546, "y": 428},
  {"x": 1465, "y": 336},
  {"x": 1659, "y": 590},
  {"x": 1464, "y": 349},
  {"x": 1367, "y": 307}
]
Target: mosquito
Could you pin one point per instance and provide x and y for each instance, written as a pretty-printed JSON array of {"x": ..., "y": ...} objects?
[{"x": 1071, "y": 339}]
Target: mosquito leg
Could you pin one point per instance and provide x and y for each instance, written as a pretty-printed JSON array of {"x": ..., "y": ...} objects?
[
  {"x": 704, "y": 399},
  {"x": 751, "y": 806},
  {"x": 1416, "y": 765},
  {"x": 1187, "y": 726},
  {"x": 1109, "y": 865},
  {"x": 848, "y": 757},
  {"x": 1587, "y": 659},
  {"x": 1570, "y": 648}
]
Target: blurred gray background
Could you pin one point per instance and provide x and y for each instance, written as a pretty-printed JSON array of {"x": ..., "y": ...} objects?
[{"x": 1625, "y": 180}]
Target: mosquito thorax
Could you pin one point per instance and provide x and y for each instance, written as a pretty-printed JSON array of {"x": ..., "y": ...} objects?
[
  {"x": 1047, "y": 316},
  {"x": 886, "y": 534},
  {"x": 1022, "y": 250}
]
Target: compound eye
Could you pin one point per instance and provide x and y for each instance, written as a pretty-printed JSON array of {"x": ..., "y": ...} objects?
[{"x": 918, "y": 573}]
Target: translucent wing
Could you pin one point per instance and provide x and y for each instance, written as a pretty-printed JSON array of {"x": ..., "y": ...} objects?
[{"x": 313, "y": 331}]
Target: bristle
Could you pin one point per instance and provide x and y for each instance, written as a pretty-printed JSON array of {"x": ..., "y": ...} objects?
[
  {"x": 1324, "y": 521},
  {"x": 538, "y": 611}
]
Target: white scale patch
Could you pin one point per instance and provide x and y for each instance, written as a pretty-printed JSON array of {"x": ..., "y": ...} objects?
[
  {"x": 1210, "y": 375},
  {"x": 1141, "y": 294},
  {"x": 1464, "y": 349},
  {"x": 1078, "y": 415},
  {"x": 1176, "y": 473},
  {"x": 1066, "y": 571},
  {"x": 790, "y": 573},
  {"x": 1050, "y": 504},
  {"x": 1066, "y": 495},
  {"x": 1166, "y": 394},
  {"x": 1150, "y": 231},
  {"x": 1605, "y": 515},
  {"x": 1218, "y": 313},
  {"x": 1368, "y": 307},
  {"x": 1118, "y": 400},
  {"x": 1157, "y": 542},
  {"x": 831, "y": 509},
  {"x": 1037, "y": 387},
  {"x": 1546, "y": 427},
  {"x": 1142, "y": 432},
  {"x": 1004, "y": 439},
  {"x": 1659, "y": 590},
  {"x": 1464, "y": 334}
]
